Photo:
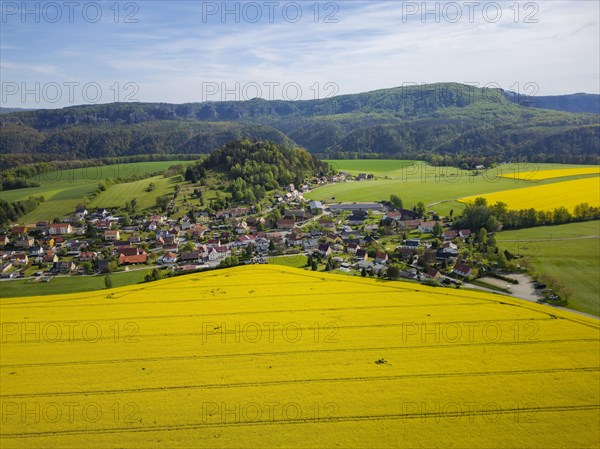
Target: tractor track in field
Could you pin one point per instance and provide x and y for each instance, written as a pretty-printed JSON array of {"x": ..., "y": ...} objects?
[
  {"x": 303, "y": 381},
  {"x": 292, "y": 353},
  {"x": 325, "y": 327},
  {"x": 514, "y": 411}
]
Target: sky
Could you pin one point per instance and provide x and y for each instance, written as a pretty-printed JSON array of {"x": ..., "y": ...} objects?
[{"x": 57, "y": 54}]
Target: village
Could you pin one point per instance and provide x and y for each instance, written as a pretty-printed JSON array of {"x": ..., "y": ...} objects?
[{"x": 368, "y": 239}]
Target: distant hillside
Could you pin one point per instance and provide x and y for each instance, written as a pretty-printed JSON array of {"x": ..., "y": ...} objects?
[
  {"x": 440, "y": 122},
  {"x": 4, "y": 110},
  {"x": 568, "y": 103}
]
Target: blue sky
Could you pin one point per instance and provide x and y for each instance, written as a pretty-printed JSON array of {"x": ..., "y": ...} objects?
[{"x": 188, "y": 51}]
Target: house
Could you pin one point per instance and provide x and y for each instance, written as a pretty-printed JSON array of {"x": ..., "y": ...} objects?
[
  {"x": 353, "y": 247},
  {"x": 17, "y": 230},
  {"x": 394, "y": 215},
  {"x": 36, "y": 251},
  {"x": 450, "y": 248},
  {"x": 327, "y": 223},
  {"x": 213, "y": 254},
  {"x": 286, "y": 223},
  {"x": 60, "y": 229},
  {"x": 49, "y": 258},
  {"x": 129, "y": 251},
  {"x": 325, "y": 249},
  {"x": 81, "y": 213},
  {"x": 449, "y": 235},
  {"x": 290, "y": 188},
  {"x": 7, "y": 266},
  {"x": 310, "y": 244},
  {"x": 101, "y": 224},
  {"x": 361, "y": 254},
  {"x": 408, "y": 214},
  {"x": 168, "y": 258},
  {"x": 24, "y": 241},
  {"x": 101, "y": 212},
  {"x": 213, "y": 242},
  {"x": 407, "y": 253},
  {"x": 135, "y": 239},
  {"x": 363, "y": 264},
  {"x": 65, "y": 267},
  {"x": 296, "y": 214},
  {"x": 239, "y": 211},
  {"x": 426, "y": 226},
  {"x": 244, "y": 240},
  {"x": 409, "y": 224},
  {"x": 193, "y": 256},
  {"x": 241, "y": 227},
  {"x": 158, "y": 219},
  {"x": 461, "y": 269},
  {"x": 4, "y": 240},
  {"x": 316, "y": 207},
  {"x": 20, "y": 259},
  {"x": 41, "y": 226},
  {"x": 381, "y": 257},
  {"x": 432, "y": 273},
  {"x": 358, "y": 217},
  {"x": 464, "y": 233},
  {"x": 87, "y": 256},
  {"x": 197, "y": 230},
  {"x": 133, "y": 259},
  {"x": 111, "y": 235},
  {"x": 371, "y": 228},
  {"x": 412, "y": 243},
  {"x": 364, "y": 176}
]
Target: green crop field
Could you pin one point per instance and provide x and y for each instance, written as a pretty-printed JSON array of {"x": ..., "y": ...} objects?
[
  {"x": 414, "y": 181},
  {"x": 569, "y": 252},
  {"x": 117, "y": 195},
  {"x": 64, "y": 189},
  {"x": 72, "y": 284},
  {"x": 296, "y": 260}
]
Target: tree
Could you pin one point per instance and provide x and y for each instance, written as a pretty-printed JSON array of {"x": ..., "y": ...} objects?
[
  {"x": 314, "y": 266},
  {"x": 108, "y": 283},
  {"x": 88, "y": 268},
  {"x": 126, "y": 220},
  {"x": 393, "y": 272},
  {"x": 396, "y": 201},
  {"x": 162, "y": 202},
  {"x": 420, "y": 209},
  {"x": 437, "y": 229},
  {"x": 188, "y": 247},
  {"x": 482, "y": 235},
  {"x": 363, "y": 272},
  {"x": 90, "y": 230}
]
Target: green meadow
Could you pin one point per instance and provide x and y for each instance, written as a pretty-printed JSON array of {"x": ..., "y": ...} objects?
[
  {"x": 64, "y": 189},
  {"x": 438, "y": 187},
  {"x": 68, "y": 284},
  {"x": 569, "y": 252}
]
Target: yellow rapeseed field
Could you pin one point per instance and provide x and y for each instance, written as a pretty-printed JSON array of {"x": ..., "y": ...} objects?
[
  {"x": 265, "y": 356},
  {"x": 548, "y": 196},
  {"x": 539, "y": 175}
]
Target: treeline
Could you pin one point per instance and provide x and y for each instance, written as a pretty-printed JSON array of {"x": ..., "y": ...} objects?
[
  {"x": 12, "y": 211},
  {"x": 469, "y": 144},
  {"x": 493, "y": 217},
  {"x": 101, "y": 140}
]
